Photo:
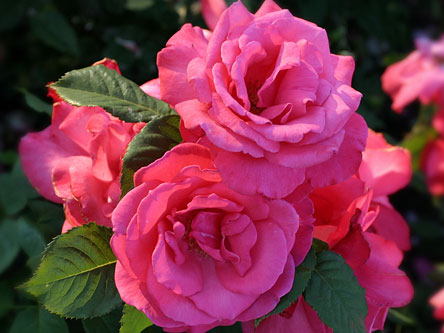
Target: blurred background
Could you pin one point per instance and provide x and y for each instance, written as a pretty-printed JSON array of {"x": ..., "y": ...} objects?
[{"x": 40, "y": 40}]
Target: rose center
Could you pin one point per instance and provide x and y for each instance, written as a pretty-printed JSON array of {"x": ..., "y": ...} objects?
[{"x": 252, "y": 89}]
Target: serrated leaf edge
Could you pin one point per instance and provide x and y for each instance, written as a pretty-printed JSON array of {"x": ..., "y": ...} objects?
[{"x": 49, "y": 247}]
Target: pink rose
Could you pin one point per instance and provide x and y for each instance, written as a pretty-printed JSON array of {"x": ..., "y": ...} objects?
[
  {"x": 212, "y": 10},
  {"x": 432, "y": 157},
  {"x": 386, "y": 169},
  {"x": 266, "y": 96},
  {"x": 432, "y": 164},
  {"x": 420, "y": 75},
  {"x": 437, "y": 301},
  {"x": 77, "y": 161},
  {"x": 357, "y": 221},
  {"x": 192, "y": 253}
]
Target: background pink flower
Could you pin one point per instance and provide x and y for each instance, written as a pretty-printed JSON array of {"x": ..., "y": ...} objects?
[
  {"x": 193, "y": 254},
  {"x": 419, "y": 76},
  {"x": 265, "y": 94},
  {"x": 77, "y": 160},
  {"x": 437, "y": 301}
]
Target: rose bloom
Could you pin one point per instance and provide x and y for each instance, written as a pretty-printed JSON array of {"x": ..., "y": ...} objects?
[
  {"x": 419, "y": 76},
  {"x": 357, "y": 221},
  {"x": 263, "y": 92},
  {"x": 437, "y": 301},
  {"x": 194, "y": 254},
  {"x": 77, "y": 160},
  {"x": 432, "y": 158}
]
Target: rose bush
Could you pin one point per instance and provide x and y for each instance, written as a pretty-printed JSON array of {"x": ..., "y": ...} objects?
[
  {"x": 420, "y": 75},
  {"x": 194, "y": 254},
  {"x": 77, "y": 160},
  {"x": 357, "y": 221},
  {"x": 266, "y": 96}
]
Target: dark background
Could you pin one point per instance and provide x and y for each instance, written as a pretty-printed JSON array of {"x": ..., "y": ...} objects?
[{"x": 40, "y": 40}]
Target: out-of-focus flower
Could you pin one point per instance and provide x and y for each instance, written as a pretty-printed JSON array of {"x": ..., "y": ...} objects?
[
  {"x": 437, "y": 301},
  {"x": 419, "y": 76}
]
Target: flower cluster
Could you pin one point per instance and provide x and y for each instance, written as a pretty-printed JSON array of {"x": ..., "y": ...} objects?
[
  {"x": 273, "y": 156},
  {"x": 421, "y": 76}
]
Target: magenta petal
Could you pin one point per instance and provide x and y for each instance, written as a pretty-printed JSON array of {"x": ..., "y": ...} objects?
[
  {"x": 152, "y": 88},
  {"x": 133, "y": 293},
  {"x": 268, "y": 301},
  {"x": 304, "y": 156},
  {"x": 347, "y": 160},
  {"x": 40, "y": 152},
  {"x": 269, "y": 259},
  {"x": 285, "y": 216},
  {"x": 185, "y": 279},
  {"x": 383, "y": 281},
  {"x": 249, "y": 175},
  {"x": 268, "y": 6},
  {"x": 218, "y": 301},
  {"x": 392, "y": 226},
  {"x": 241, "y": 244},
  {"x": 212, "y": 10},
  {"x": 182, "y": 309},
  {"x": 173, "y": 61},
  {"x": 177, "y": 158},
  {"x": 127, "y": 208}
]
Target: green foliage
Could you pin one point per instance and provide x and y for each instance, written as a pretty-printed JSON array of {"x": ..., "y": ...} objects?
[
  {"x": 301, "y": 278},
  {"x": 10, "y": 13},
  {"x": 9, "y": 243},
  {"x": 36, "y": 103},
  {"x": 101, "y": 86},
  {"x": 334, "y": 293},
  {"x": 157, "y": 137},
  {"x": 421, "y": 134},
  {"x": 53, "y": 29},
  {"x": 139, "y": 4},
  {"x": 38, "y": 320},
  {"x": 15, "y": 190},
  {"x": 76, "y": 276},
  {"x": 108, "y": 323},
  {"x": 133, "y": 320}
]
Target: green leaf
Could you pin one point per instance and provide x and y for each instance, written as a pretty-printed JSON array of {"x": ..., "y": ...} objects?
[
  {"x": 319, "y": 245},
  {"x": 9, "y": 243},
  {"x": 11, "y": 195},
  {"x": 157, "y": 137},
  {"x": 335, "y": 294},
  {"x": 38, "y": 320},
  {"x": 76, "y": 276},
  {"x": 15, "y": 190},
  {"x": 108, "y": 323},
  {"x": 398, "y": 317},
  {"x": 36, "y": 103},
  {"x": 133, "y": 320},
  {"x": 139, "y": 4},
  {"x": 54, "y": 30},
  {"x": 301, "y": 278},
  {"x": 6, "y": 297},
  {"x": 101, "y": 86},
  {"x": 30, "y": 239},
  {"x": 421, "y": 134}
]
